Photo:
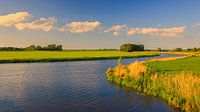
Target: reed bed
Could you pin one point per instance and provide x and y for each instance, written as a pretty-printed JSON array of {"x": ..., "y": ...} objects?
[{"x": 180, "y": 89}]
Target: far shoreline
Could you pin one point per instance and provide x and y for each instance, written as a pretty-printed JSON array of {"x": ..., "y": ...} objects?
[{"x": 70, "y": 59}]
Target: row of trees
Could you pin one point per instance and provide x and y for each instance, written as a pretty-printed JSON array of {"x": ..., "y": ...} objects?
[
  {"x": 50, "y": 47},
  {"x": 132, "y": 47},
  {"x": 140, "y": 47},
  {"x": 180, "y": 49},
  {"x": 11, "y": 49},
  {"x": 193, "y": 49}
]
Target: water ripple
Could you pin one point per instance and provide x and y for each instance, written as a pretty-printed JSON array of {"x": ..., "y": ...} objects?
[{"x": 69, "y": 86}]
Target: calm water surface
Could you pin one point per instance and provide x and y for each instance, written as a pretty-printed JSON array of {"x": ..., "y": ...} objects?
[{"x": 78, "y": 86}]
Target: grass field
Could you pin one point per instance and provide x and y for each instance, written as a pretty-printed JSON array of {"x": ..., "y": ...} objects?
[
  {"x": 176, "y": 81},
  {"x": 48, "y": 56},
  {"x": 186, "y": 64}
]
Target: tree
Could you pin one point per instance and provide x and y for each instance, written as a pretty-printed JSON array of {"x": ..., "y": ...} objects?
[
  {"x": 159, "y": 49},
  {"x": 51, "y": 47},
  {"x": 123, "y": 47},
  {"x": 195, "y": 49},
  {"x": 59, "y": 47},
  {"x": 132, "y": 47},
  {"x": 178, "y": 49},
  {"x": 38, "y": 48},
  {"x": 30, "y": 48}
]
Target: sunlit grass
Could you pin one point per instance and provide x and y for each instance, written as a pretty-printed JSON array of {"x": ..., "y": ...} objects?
[
  {"x": 178, "y": 83},
  {"x": 168, "y": 58},
  {"x": 29, "y": 56},
  {"x": 179, "y": 65}
]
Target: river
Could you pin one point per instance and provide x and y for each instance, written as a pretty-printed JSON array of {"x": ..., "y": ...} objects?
[{"x": 77, "y": 86}]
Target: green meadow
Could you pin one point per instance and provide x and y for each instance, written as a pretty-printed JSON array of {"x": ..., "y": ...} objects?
[
  {"x": 177, "y": 81},
  {"x": 49, "y": 56},
  {"x": 187, "y": 64}
]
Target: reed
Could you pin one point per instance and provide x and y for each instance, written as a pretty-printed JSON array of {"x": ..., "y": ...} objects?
[{"x": 180, "y": 89}]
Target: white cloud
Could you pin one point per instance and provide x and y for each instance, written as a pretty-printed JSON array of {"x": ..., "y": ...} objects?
[
  {"x": 197, "y": 25},
  {"x": 116, "y": 34},
  {"x": 45, "y": 24},
  {"x": 13, "y": 18},
  {"x": 116, "y": 29},
  {"x": 80, "y": 27},
  {"x": 166, "y": 32}
]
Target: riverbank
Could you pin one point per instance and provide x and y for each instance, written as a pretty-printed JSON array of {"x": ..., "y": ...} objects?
[
  {"x": 176, "y": 80},
  {"x": 57, "y": 56}
]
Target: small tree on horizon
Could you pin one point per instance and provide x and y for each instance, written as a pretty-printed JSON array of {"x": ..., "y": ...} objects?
[{"x": 159, "y": 49}]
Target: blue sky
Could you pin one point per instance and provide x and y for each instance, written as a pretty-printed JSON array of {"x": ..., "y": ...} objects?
[{"x": 91, "y": 24}]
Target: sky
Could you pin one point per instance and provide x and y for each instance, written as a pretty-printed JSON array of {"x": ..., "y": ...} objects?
[{"x": 96, "y": 24}]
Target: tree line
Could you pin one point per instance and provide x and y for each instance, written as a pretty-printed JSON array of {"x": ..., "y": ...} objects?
[
  {"x": 50, "y": 47},
  {"x": 140, "y": 47},
  {"x": 180, "y": 49},
  {"x": 124, "y": 47}
]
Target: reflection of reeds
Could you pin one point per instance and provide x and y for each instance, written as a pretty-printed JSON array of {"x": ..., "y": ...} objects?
[{"x": 181, "y": 90}]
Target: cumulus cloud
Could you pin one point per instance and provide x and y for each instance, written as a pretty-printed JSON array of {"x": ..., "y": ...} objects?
[
  {"x": 13, "y": 18},
  {"x": 116, "y": 34},
  {"x": 116, "y": 29},
  {"x": 80, "y": 27},
  {"x": 18, "y": 20},
  {"x": 167, "y": 32},
  {"x": 45, "y": 24},
  {"x": 197, "y": 25}
]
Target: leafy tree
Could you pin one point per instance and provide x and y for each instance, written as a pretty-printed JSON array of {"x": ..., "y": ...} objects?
[
  {"x": 178, "y": 49},
  {"x": 159, "y": 49},
  {"x": 195, "y": 49},
  {"x": 132, "y": 47},
  {"x": 59, "y": 47},
  {"x": 38, "y": 48},
  {"x": 123, "y": 47},
  {"x": 51, "y": 47},
  {"x": 30, "y": 48}
]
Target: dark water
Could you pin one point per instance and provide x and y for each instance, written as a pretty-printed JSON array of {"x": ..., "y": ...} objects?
[{"x": 79, "y": 86}]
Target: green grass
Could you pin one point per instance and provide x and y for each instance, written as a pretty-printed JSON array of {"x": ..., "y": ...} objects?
[
  {"x": 179, "y": 65},
  {"x": 48, "y": 56},
  {"x": 176, "y": 81}
]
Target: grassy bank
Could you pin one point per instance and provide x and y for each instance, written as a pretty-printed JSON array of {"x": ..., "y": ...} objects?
[
  {"x": 176, "y": 81},
  {"x": 51, "y": 56}
]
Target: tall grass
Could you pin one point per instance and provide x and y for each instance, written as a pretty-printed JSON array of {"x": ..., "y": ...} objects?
[{"x": 181, "y": 90}]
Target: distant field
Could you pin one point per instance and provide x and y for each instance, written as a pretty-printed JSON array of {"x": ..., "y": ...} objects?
[
  {"x": 186, "y": 64},
  {"x": 42, "y": 56}
]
